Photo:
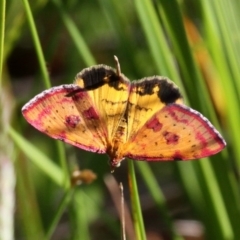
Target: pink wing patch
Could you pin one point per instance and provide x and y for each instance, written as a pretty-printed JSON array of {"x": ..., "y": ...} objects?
[
  {"x": 176, "y": 132},
  {"x": 72, "y": 119}
]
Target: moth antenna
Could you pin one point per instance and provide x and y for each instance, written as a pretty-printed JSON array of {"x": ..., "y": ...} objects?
[{"x": 118, "y": 68}]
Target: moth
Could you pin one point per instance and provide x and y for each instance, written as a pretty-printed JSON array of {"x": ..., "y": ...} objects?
[{"x": 103, "y": 112}]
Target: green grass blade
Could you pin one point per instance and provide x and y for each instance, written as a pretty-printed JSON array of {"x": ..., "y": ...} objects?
[
  {"x": 38, "y": 158},
  {"x": 36, "y": 41},
  {"x": 62, "y": 206},
  {"x": 31, "y": 223},
  {"x": 226, "y": 31},
  {"x": 209, "y": 183},
  {"x": 81, "y": 217},
  {"x": 219, "y": 50},
  {"x": 136, "y": 207},
  {"x": 77, "y": 38},
  {"x": 115, "y": 15},
  {"x": 226, "y": 185},
  {"x": 157, "y": 195},
  {"x": 37, "y": 44},
  {"x": 193, "y": 80},
  {"x": 156, "y": 40},
  {"x": 2, "y": 33},
  {"x": 213, "y": 36},
  {"x": 178, "y": 39}
]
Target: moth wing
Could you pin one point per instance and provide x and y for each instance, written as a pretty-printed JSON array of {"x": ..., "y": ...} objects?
[
  {"x": 176, "y": 132},
  {"x": 74, "y": 120},
  {"x": 85, "y": 114},
  {"x": 148, "y": 96},
  {"x": 109, "y": 92}
]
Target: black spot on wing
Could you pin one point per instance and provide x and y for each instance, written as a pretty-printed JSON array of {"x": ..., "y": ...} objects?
[
  {"x": 96, "y": 76},
  {"x": 167, "y": 91},
  {"x": 145, "y": 86}
]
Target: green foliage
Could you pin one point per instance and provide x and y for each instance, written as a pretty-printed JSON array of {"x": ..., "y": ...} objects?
[{"x": 194, "y": 43}]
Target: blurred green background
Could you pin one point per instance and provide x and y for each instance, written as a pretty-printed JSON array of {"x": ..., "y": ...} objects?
[{"x": 194, "y": 43}]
